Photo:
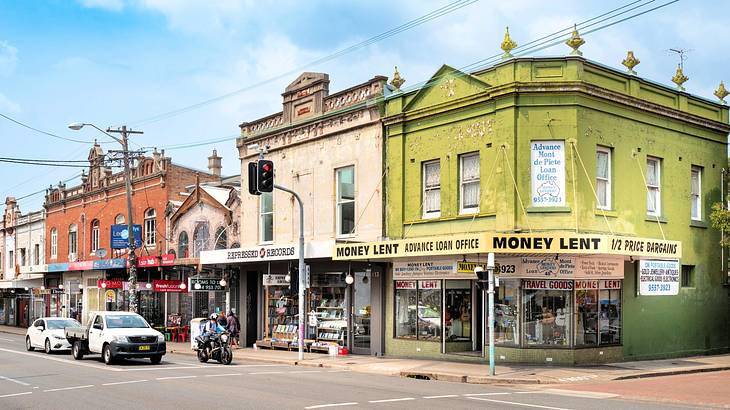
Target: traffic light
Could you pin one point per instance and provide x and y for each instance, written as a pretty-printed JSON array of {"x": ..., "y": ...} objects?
[
  {"x": 265, "y": 175},
  {"x": 252, "y": 184},
  {"x": 482, "y": 277},
  {"x": 294, "y": 283}
]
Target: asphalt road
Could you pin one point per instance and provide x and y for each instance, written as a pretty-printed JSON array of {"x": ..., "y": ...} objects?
[{"x": 34, "y": 380}]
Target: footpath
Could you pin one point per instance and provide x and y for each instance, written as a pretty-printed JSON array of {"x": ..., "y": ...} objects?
[{"x": 476, "y": 373}]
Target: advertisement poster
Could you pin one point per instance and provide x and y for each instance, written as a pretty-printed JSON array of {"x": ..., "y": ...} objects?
[
  {"x": 658, "y": 278},
  {"x": 548, "y": 173}
]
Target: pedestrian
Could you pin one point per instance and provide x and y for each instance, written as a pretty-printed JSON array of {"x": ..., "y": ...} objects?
[
  {"x": 222, "y": 321},
  {"x": 233, "y": 328}
]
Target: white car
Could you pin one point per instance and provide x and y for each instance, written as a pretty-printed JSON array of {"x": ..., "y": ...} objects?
[{"x": 47, "y": 333}]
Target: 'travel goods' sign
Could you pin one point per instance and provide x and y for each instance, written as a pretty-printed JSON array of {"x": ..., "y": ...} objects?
[
  {"x": 548, "y": 173},
  {"x": 658, "y": 277}
]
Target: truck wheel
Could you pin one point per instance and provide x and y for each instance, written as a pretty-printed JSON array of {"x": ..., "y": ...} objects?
[
  {"x": 48, "y": 346},
  {"x": 106, "y": 354},
  {"x": 156, "y": 359},
  {"x": 77, "y": 351},
  {"x": 28, "y": 346}
]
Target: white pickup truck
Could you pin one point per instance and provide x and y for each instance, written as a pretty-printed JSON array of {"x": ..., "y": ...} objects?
[{"x": 117, "y": 335}]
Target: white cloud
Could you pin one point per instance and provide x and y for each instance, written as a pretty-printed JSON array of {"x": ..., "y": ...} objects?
[
  {"x": 110, "y": 5},
  {"x": 8, "y": 106},
  {"x": 8, "y": 58}
]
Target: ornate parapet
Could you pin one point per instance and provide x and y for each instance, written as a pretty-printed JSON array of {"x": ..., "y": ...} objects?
[{"x": 351, "y": 96}]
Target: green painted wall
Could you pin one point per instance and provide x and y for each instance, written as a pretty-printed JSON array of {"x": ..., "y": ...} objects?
[{"x": 499, "y": 111}]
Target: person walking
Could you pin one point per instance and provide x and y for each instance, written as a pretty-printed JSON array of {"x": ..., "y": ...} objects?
[{"x": 233, "y": 328}]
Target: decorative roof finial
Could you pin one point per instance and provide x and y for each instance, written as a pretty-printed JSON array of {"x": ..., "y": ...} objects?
[
  {"x": 575, "y": 41},
  {"x": 397, "y": 80},
  {"x": 721, "y": 93},
  {"x": 507, "y": 45},
  {"x": 630, "y": 62},
  {"x": 679, "y": 78}
]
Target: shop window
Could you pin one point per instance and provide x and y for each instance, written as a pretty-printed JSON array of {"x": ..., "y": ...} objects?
[
  {"x": 345, "y": 200},
  {"x": 547, "y": 314},
  {"x": 506, "y": 313},
  {"x": 603, "y": 177},
  {"x": 72, "y": 242},
  {"x": 418, "y": 310},
  {"x": 431, "y": 189},
  {"x": 221, "y": 238},
  {"x": 266, "y": 217},
  {"x": 688, "y": 276},
  {"x": 94, "y": 235},
  {"x": 54, "y": 243},
  {"x": 610, "y": 316},
  {"x": 695, "y": 193},
  {"x": 150, "y": 227},
  {"x": 469, "y": 184},
  {"x": 653, "y": 182},
  {"x": 586, "y": 317},
  {"x": 119, "y": 219},
  {"x": 182, "y": 245},
  {"x": 458, "y": 313}
]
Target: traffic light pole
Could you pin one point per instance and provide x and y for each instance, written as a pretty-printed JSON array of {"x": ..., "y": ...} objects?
[
  {"x": 490, "y": 292},
  {"x": 301, "y": 269}
]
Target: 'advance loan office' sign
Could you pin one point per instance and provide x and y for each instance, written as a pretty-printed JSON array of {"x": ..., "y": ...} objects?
[{"x": 548, "y": 173}]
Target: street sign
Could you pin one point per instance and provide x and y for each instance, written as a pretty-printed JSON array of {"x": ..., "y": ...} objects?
[
  {"x": 101, "y": 252},
  {"x": 120, "y": 236},
  {"x": 307, "y": 277}
]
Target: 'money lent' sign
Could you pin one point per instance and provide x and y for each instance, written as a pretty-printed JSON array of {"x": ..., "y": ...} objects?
[{"x": 428, "y": 246}]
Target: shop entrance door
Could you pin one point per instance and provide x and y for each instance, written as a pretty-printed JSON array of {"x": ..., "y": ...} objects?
[{"x": 361, "y": 313}]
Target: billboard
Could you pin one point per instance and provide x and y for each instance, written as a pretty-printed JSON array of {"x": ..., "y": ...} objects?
[{"x": 120, "y": 236}]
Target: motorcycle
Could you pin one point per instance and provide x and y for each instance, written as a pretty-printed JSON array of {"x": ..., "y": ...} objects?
[{"x": 216, "y": 347}]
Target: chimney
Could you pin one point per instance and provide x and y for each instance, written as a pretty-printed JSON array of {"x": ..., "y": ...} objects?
[{"x": 214, "y": 164}]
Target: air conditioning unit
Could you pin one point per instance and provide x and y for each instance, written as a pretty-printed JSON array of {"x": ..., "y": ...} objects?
[{"x": 72, "y": 257}]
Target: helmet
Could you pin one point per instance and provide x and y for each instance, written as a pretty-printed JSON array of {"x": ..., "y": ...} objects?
[{"x": 213, "y": 316}]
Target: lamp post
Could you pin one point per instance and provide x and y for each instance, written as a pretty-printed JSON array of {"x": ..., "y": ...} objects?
[{"x": 130, "y": 223}]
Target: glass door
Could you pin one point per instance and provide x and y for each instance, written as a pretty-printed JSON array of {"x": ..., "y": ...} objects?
[{"x": 362, "y": 311}]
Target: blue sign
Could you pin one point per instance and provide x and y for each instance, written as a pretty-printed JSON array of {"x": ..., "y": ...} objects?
[
  {"x": 120, "y": 236},
  {"x": 57, "y": 267},
  {"x": 118, "y": 263}
]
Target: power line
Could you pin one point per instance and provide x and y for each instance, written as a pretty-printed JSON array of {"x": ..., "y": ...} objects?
[
  {"x": 449, "y": 8},
  {"x": 44, "y": 190},
  {"x": 43, "y": 160},
  {"x": 44, "y": 132}
]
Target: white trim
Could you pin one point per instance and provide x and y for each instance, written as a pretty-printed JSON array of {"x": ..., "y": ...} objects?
[
  {"x": 477, "y": 181},
  {"x": 425, "y": 213},
  {"x": 654, "y": 188},
  {"x": 696, "y": 196},
  {"x": 607, "y": 151}
]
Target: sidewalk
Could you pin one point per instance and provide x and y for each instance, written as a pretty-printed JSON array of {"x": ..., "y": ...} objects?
[{"x": 470, "y": 372}]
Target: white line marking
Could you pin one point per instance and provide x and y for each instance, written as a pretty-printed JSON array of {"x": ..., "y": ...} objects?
[
  {"x": 305, "y": 371},
  {"x": 528, "y": 392},
  {"x": 15, "y": 381},
  {"x": 127, "y": 382},
  {"x": 583, "y": 394},
  {"x": 153, "y": 368},
  {"x": 66, "y": 361},
  {"x": 267, "y": 373},
  {"x": 7, "y": 340},
  {"x": 16, "y": 394},
  {"x": 338, "y": 371},
  {"x": 223, "y": 375},
  {"x": 390, "y": 400},
  {"x": 259, "y": 365},
  {"x": 321, "y": 406},
  {"x": 175, "y": 377},
  {"x": 486, "y": 394},
  {"x": 441, "y": 397},
  {"x": 70, "y": 388},
  {"x": 514, "y": 403}
]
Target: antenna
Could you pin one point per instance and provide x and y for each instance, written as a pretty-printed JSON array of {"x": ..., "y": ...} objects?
[{"x": 682, "y": 55}]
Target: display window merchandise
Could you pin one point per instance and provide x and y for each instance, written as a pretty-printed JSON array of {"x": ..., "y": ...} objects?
[
  {"x": 418, "y": 310},
  {"x": 506, "y": 313}
]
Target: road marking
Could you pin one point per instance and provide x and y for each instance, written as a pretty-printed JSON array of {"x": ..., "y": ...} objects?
[
  {"x": 70, "y": 388},
  {"x": 321, "y": 406},
  {"x": 441, "y": 397},
  {"x": 583, "y": 394},
  {"x": 151, "y": 368},
  {"x": 304, "y": 371},
  {"x": 223, "y": 375},
  {"x": 14, "y": 381},
  {"x": 259, "y": 365},
  {"x": 7, "y": 340},
  {"x": 267, "y": 373},
  {"x": 175, "y": 377},
  {"x": 391, "y": 400},
  {"x": 127, "y": 382},
  {"x": 55, "y": 359},
  {"x": 528, "y": 392},
  {"x": 16, "y": 394},
  {"x": 486, "y": 394},
  {"x": 578, "y": 378},
  {"x": 514, "y": 403},
  {"x": 338, "y": 371}
]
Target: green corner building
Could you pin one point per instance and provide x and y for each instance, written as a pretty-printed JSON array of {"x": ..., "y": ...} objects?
[{"x": 592, "y": 186}]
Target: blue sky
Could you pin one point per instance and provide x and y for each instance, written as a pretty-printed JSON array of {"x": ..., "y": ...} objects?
[{"x": 114, "y": 62}]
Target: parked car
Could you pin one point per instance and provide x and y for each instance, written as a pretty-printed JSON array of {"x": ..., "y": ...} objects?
[
  {"x": 117, "y": 335},
  {"x": 47, "y": 333}
]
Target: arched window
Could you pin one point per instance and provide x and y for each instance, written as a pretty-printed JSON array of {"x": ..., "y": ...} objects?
[
  {"x": 182, "y": 244},
  {"x": 54, "y": 243},
  {"x": 150, "y": 227},
  {"x": 119, "y": 219},
  {"x": 221, "y": 238},
  {"x": 94, "y": 235},
  {"x": 72, "y": 241},
  {"x": 200, "y": 238}
]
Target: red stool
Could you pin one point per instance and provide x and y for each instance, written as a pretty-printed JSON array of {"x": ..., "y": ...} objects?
[{"x": 182, "y": 334}]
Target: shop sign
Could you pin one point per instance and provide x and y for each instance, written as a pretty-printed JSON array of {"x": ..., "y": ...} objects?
[
  {"x": 428, "y": 269},
  {"x": 253, "y": 254},
  {"x": 542, "y": 284},
  {"x": 427, "y": 246},
  {"x": 468, "y": 267},
  {"x": 611, "y": 284},
  {"x": 429, "y": 284},
  {"x": 110, "y": 296},
  {"x": 34, "y": 269},
  {"x": 120, "y": 236},
  {"x": 83, "y": 265},
  {"x": 167, "y": 259},
  {"x": 405, "y": 284},
  {"x": 56, "y": 291},
  {"x": 548, "y": 173},
  {"x": 589, "y": 284},
  {"x": 658, "y": 277},
  {"x": 562, "y": 267},
  {"x": 275, "y": 280},
  {"x": 110, "y": 284},
  {"x": 118, "y": 263},
  {"x": 169, "y": 286},
  {"x": 206, "y": 284},
  {"x": 58, "y": 267}
]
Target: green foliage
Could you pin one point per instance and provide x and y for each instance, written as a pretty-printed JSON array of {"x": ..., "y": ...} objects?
[{"x": 720, "y": 219}]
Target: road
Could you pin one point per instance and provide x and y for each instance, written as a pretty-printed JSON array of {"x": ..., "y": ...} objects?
[{"x": 34, "y": 380}]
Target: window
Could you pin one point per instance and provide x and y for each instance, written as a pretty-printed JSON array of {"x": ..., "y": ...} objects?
[
  {"x": 72, "y": 241},
  {"x": 221, "y": 238},
  {"x": 11, "y": 260},
  {"x": 36, "y": 254},
  {"x": 653, "y": 181},
  {"x": 22, "y": 256},
  {"x": 119, "y": 219},
  {"x": 418, "y": 310},
  {"x": 586, "y": 317},
  {"x": 457, "y": 316},
  {"x": 200, "y": 238},
  {"x": 547, "y": 313},
  {"x": 469, "y": 189},
  {"x": 603, "y": 177},
  {"x": 182, "y": 245},
  {"x": 432, "y": 189},
  {"x": 94, "y": 235},
  {"x": 345, "y": 200},
  {"x": 266, "y": 217},
  {"x": 695, "y": 193},
  {"x": 150, "y": 227},
  {"x": 54, "y": 243},
  {"x": 506, "y": 313},
  {"x": 609, "y": 319},
  {"x": 688, "y": 276}
]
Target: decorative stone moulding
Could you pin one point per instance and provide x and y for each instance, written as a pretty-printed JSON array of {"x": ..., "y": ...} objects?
[
  {"x": 507, "y": 45},
  {"x": 397, "y": 80},
  {"x": 630, "y": 62},
  {"x": 721, "y": 93},
  {"x": 679, "y": 78},
  {"x": 575, "y": 41}
]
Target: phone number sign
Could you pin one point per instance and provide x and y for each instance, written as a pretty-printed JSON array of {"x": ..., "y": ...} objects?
[{"x": 658, "y": 278}]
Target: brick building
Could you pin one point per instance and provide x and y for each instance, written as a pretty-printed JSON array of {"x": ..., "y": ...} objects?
[{"x": 78, "y": 230}]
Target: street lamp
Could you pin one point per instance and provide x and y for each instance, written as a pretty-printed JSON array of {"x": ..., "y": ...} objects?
[{"x": 76, "y": 126}]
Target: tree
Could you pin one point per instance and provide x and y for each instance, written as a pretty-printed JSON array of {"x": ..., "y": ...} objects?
[{"x": 720, "y": 216}]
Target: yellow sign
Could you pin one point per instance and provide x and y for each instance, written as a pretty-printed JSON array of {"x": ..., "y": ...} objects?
[
  {"x": 468, "y": 267},
  {"x": 403, "y": 248},
  {"x": 110, "y": 296}
]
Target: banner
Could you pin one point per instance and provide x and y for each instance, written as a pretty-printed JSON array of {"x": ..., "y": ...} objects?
[
  {"x": 167, "y": 259},
  {"x": 548, "y": 173},
  {"x": 120, "y": 236},
  {"x": 658, "y": 278}
]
